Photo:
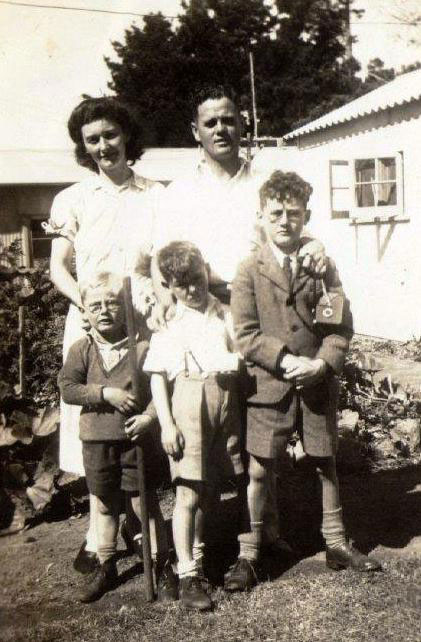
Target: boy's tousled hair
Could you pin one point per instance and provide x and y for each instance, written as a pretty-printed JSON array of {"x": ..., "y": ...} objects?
[
  {"x": 284, "y": 185},
  {"x": 109, "y": 108},
  {"x": 101, "y": 279},
  {"x": 211, "y": 92},
  {"x": 177, "y": 260}
]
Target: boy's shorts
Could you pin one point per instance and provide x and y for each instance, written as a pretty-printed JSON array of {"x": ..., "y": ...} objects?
[
  {"x": 269, "y": 426},
  {"x": 112, "y": 465},
  {"x": 207, "y": 412}
]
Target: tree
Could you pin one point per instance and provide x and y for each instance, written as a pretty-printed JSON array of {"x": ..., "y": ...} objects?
[{"x": 300, "y": 59}]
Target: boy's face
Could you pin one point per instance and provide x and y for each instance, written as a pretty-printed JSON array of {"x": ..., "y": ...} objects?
[
  {"x": 104, "y": 309},
  {"x": 193, "y": 291},
  {"x": 283, "y": 222}
]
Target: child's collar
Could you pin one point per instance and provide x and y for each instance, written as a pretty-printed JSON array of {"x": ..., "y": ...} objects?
[
  {"x": 98, "y": 338},
  {"x": 181, "y": 308}
]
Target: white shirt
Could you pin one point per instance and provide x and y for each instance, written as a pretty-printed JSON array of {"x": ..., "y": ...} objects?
[
  {"x": 280, "y": 257},
  {"x": 201, "y": 338},
  {"x": 109, "y": 225},
  {"x": 217, "y": 215},
  {"x": 111, "y": 353}
]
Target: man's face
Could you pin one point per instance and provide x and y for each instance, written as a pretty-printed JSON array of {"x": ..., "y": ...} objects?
[
  {"x": 218, "y": 128},
  {"x": 284, "y": 221},
  {"x": 193, "y": 291},
  {"x": 104, "y": 310}
]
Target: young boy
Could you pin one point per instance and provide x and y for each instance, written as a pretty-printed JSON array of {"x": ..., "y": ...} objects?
[
  {"x": 293, "y": 363},
  {"x": 96, "y": 376},
  {"x": 199, "y": 419}
]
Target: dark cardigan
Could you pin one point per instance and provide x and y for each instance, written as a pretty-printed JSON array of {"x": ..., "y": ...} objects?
[{"x": 81, "y": 381}]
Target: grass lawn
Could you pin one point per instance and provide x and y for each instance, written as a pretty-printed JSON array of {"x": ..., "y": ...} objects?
[{"x": 302, "y": 601}]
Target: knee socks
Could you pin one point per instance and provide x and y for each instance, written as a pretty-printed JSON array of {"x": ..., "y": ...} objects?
[
  {"x": 250, "y": 543},
  {"x": 333, "y": 529}
]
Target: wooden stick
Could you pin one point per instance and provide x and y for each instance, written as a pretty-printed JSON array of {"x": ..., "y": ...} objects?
[
  {"x": 22, "y": 351},
  {"x": 144, "y": 516}
]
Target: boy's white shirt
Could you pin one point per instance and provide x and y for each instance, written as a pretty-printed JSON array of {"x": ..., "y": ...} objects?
[
  {"x": 111, "y": 353},
  {"x": 280, "y": 256},
  {"x": 200, "y": 337}
]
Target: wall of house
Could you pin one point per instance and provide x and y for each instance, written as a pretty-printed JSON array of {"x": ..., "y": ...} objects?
[
  {"x": 380, "y": 263},
  {"x": 18, "y": 205}
]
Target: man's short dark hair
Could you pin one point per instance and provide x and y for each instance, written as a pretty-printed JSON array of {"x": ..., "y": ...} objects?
[
  {"x": 211, "y": 92},
  {"x": 178, "y": 260},
  {"x": 283, "y": 186},
  {"x": 112, "y": 109}
]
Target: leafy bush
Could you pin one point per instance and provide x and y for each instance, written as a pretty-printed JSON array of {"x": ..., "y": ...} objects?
[{"x": 45, "y": 310}]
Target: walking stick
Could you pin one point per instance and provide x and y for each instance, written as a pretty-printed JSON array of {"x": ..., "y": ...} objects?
[{"x": 144, "y": 516}]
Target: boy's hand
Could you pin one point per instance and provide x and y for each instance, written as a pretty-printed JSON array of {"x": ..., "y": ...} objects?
[
  {"x": 138, "y": 426},
  {"x": 121, "y": 399},
  {"x": 314, "y": 257},
  {"x": 172, "y": 441},
  {"x": 160, "y": 314},
  {"x": 304, "y": 371}
]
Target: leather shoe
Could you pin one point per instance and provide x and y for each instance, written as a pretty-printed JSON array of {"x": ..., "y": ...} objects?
[
  {"x": 242, "y": 576},
  {"x": 166, "y": 583},
  {"x": 85, "y": 561},
  {"x": 192, "y": 595},
  {"x": 100, "y": 581},
  {"x": 345, "y": 556}
]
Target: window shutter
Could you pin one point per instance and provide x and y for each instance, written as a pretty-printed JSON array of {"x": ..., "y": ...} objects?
[{"x": 340, "y": 189}]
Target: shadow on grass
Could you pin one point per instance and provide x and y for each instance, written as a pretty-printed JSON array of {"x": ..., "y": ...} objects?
[{"x": 380, "y": 508}]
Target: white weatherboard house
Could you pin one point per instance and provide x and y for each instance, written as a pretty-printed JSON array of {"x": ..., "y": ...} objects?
[{"x": 364, "y": 162}]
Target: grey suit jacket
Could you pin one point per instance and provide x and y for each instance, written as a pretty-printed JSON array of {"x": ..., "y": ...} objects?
[{"x": 270, "y": 319}]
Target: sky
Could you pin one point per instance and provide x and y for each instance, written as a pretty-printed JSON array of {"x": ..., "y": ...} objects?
[{"x": 50, "y": 56}]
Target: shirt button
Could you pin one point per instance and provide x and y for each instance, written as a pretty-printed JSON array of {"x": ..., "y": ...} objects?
[{"x": 295, "y": 327}]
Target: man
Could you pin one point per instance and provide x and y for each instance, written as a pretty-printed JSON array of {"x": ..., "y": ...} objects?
[{"x": 216, "y": 208}]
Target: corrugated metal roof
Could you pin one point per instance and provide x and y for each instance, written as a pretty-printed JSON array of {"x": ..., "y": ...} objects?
[
  {"x": 58, "y": 166},
  {"x": 403, "y": 89}
]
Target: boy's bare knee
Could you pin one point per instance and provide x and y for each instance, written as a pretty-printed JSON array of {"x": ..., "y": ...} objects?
[
  {"x": 259, "y": 469},
  {"x": 188, "y": 496}
]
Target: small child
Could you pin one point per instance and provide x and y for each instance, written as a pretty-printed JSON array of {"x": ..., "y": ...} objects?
[
  {"x": 194, "y": 378},
  {"x": 96, "y": 376},
  {"x": 294, "y": 364}
]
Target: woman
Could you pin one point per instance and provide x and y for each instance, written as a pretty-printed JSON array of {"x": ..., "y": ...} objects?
[{"x": 104, "y": 222}]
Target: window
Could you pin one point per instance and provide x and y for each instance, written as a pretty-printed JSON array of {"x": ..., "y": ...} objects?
[
  {"x": 367, "y": 188},
  {"x": 41, "y": 242}
]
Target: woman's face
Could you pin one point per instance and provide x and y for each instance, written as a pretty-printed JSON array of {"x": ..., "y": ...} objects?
[{"x": 105, "y": 142}]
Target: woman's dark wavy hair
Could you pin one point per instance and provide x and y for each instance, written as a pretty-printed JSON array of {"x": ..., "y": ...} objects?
[{"x": 112, "y": 109}]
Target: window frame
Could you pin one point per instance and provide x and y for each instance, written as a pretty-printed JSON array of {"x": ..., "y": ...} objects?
[{"x": 372, "y": 213}]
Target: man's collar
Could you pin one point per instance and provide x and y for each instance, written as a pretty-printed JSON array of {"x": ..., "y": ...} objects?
[{"x": 244, "y": 169}]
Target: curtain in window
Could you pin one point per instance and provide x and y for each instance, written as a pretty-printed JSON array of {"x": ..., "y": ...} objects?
[{"x": 386, "y": 191}]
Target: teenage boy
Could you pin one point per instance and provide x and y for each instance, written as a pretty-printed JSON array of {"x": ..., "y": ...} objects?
[
  {"x": 96, "y": 375},
  {"x": 194, "y": 387},
  {"x": 294, "y": 364}
]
